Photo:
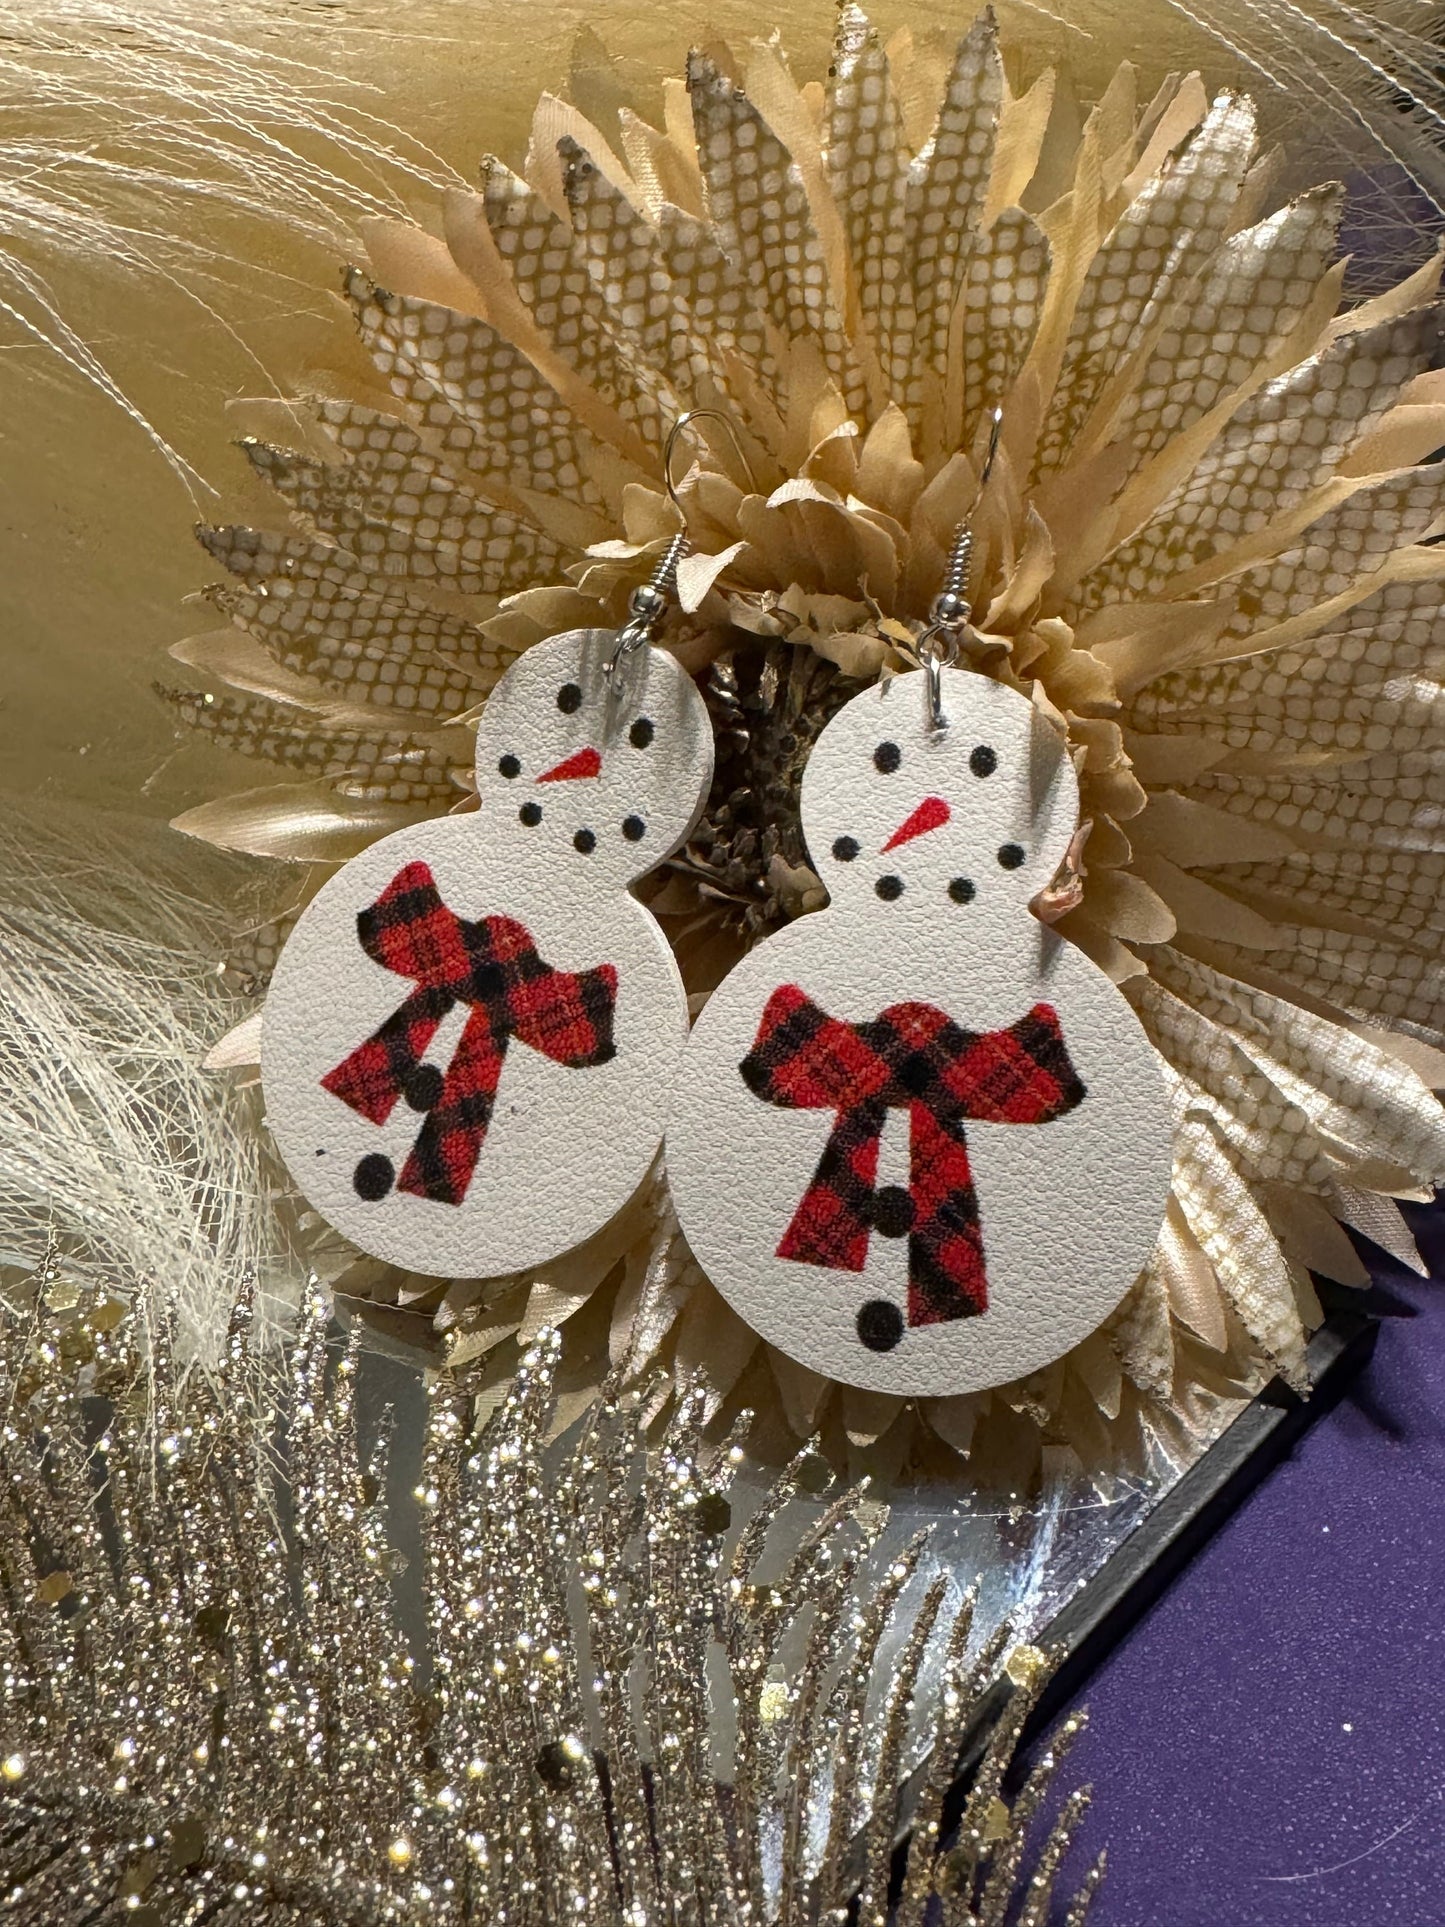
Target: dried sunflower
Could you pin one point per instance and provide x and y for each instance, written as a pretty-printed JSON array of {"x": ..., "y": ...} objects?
[{"x": 1208, "y": 552}]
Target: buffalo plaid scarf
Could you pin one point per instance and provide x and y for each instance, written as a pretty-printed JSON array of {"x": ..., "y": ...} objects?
[
  {"x": 911, "y": 1055},
  {"x": 493, "y": 965}
]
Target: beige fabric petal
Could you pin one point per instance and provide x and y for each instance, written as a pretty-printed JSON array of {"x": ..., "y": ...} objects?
[
  {"x": 1250, "y": 297},
  {"x": 1269, "y": 1137},
  {"x": 380, "y": 766},
  {"x": 758, "y": 204},
  {"x": 295, "y": 822},
  {"x": 1399, "y": 895},
  {"x": 1234, "y": 1235},
  {"x": 1283, "y": 441},
  {"x": 550, "y": 276},
  {"x": 1348, "y": 1089},
  {"x": 1139, "y": 1332},
  {"x": 947, "y": 184},
  {"x": 400, "y": 512},
  {"x": 866, "y": 165},
  {"x": 473, "y": 388},
  {"x": 1159, "y": 244}
]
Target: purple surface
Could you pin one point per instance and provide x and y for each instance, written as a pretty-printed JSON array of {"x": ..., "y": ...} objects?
[{"x": 1267, "y": 1748}]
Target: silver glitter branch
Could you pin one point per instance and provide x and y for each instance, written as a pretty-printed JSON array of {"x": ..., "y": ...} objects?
[{"x": 627, "y": 1712}]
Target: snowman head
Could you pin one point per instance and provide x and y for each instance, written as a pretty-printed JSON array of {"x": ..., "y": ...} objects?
[
  {"x": 594, "y": 777},
  {"x": 904, "y": 821}
]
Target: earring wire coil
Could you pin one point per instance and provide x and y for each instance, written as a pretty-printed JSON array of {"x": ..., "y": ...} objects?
[
  {"x": 650, "y": 600},
  {"x": 950, "y": 613}
]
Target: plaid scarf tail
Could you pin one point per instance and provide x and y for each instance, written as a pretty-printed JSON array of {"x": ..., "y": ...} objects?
[{"x": 493, "y": 965}]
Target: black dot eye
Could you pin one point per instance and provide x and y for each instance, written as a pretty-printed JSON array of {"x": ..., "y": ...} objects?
[
  {"x": 984, "y": 761},
  {"x": 641, "y": 732},
  {"x": 887, "y": 757},
  {"x": 509, "y": 767},
  {"x": 961, "y": 890},
  {"x": 584, "y": 842},
  {"x": 633, "y": 828},
  {"x": 530, "y": 814},
  {"x": 1010, "y": 855},
  {"x": 889, "y": 887},
  {"x": 569, "y": 698},
  {"x": 846, "y": 848}
]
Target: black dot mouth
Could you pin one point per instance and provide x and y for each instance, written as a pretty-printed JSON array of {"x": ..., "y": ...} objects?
[
  {"x": 889, "y": 888},
  {"x": 530, "y": 814},
  {"x": 846, "y": 848},
  {"x": 585, "y": 842},
  {"x": 962, "y": 890},
  {"x": 633, "y": 828},
  {"x": 1010, "y": 856},
  {"x": 509, "y": 766},
  {"x": 880, "y": 1325}
]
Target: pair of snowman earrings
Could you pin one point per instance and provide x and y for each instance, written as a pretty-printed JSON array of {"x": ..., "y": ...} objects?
[{"x": 476, "y": 1039}]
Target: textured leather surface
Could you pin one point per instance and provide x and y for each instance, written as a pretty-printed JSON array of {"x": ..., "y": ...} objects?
[
  {"x": 565, "y": 1146},
  {"x": 1070, "y": 1209}
]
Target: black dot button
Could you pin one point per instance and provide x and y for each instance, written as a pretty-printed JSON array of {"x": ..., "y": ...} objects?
[
  {"x": 892, "y": 1211},
  {"x": 373, "y": 1177},
  {"x": 423, "y": 1088},
  {"x": 880, "y": 1325}
]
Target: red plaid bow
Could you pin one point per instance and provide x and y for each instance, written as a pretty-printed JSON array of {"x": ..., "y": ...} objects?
[
  {"x": 913, "y": 1055},
  {"x": 494, "y": 966}
]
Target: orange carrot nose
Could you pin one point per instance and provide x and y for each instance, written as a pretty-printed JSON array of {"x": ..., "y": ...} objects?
[
  {"x": 932, "y": 813},
  {"x": 586, "y": 762}
]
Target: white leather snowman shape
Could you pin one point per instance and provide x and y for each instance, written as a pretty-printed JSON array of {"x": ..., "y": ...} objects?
[
  {"x": 472, "y": 1031},
  {"x": 919, "y": 1140}
]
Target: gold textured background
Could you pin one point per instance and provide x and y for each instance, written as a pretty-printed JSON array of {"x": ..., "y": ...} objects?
[{"x": 96, "y": 556}]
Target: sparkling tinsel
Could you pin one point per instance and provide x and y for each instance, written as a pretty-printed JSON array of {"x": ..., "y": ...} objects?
[{"x": 209, "y": 1711}]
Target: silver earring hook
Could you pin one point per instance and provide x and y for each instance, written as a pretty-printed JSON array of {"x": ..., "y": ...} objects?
[
  {"x": 685, "y": 421},
  {"x": 649, "y": 601},
  {"x": 951, "y": 611}
]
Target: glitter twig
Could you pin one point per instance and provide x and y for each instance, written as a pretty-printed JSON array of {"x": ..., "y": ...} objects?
[{"x": 209, "y": 1713}]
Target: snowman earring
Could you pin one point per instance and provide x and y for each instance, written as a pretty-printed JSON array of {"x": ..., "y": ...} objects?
[
  {"x": 919, "y": 1140},
  {"x": 472, "y": 1031}
]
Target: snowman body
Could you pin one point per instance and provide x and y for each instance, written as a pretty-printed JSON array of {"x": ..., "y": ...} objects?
[
  {"x": 919, "y": 1140},
  {"x": 471, "y": 1033}
]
